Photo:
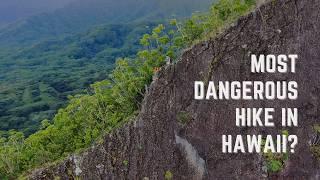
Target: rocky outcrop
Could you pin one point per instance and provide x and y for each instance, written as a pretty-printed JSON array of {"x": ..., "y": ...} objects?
[{"x": 157, "y": 143}]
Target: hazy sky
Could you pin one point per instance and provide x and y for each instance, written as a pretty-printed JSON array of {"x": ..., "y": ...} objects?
[{"x": 12, "y": 10}]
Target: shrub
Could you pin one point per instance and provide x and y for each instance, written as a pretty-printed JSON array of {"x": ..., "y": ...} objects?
[
  {"x": 168, "y": 175},
  {"x": 276, "y": 161},
  {"x": 183, "y": 117},
  {"x": 315, "y": 147}
]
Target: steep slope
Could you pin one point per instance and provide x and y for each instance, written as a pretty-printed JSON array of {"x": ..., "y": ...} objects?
[
  {"x": 84, "y": 14},
  {"x": 156, "y": 143}
]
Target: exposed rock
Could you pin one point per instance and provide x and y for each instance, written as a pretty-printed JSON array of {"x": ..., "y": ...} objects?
[
  {"x": 156, "y": 142},
  {"x": 192, "y": 158}
]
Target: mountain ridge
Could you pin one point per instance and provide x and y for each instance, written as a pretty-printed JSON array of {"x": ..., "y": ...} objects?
[{"x": 82, "y": 15}]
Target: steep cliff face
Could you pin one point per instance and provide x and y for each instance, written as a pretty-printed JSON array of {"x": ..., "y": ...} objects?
[{"x": 157, "y": 142}]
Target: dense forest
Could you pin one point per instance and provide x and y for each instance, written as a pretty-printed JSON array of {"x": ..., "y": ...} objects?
[
  {"x": 46, "y": 58},
  {"x": 109, "y": 103},
  {"x": 35, "y": 81}
]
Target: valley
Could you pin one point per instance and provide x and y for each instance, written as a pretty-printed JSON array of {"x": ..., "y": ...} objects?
[{"x": 49, "y": 57}]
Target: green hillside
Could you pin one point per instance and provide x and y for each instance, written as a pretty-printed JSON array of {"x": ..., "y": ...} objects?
[
  {"x": 82, "y": 15},
  {"x": 35, "y": 81}
]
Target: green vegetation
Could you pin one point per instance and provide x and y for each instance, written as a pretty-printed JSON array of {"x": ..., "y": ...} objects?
[
  {"x": 36, "y": 81},
  {"x": 276, "y": 161},
  {"x": 108, "y": 103},
  {"x": 168, "y": 175},
  {"x": 202, "y": 26},
  {"x": 125, "y": 163},
  {"x": 315, "y": 147},
  {"x": 183, "y": 117},
  {"x": 88, "y": 116}
]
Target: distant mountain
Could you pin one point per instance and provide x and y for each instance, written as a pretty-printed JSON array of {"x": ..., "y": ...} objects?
[
  {"x": 81, "y": 15},
  {"x": 13, "y": 10}
]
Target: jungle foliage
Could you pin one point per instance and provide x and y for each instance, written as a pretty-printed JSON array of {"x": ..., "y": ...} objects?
[{"x": 36, "y": 81}]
